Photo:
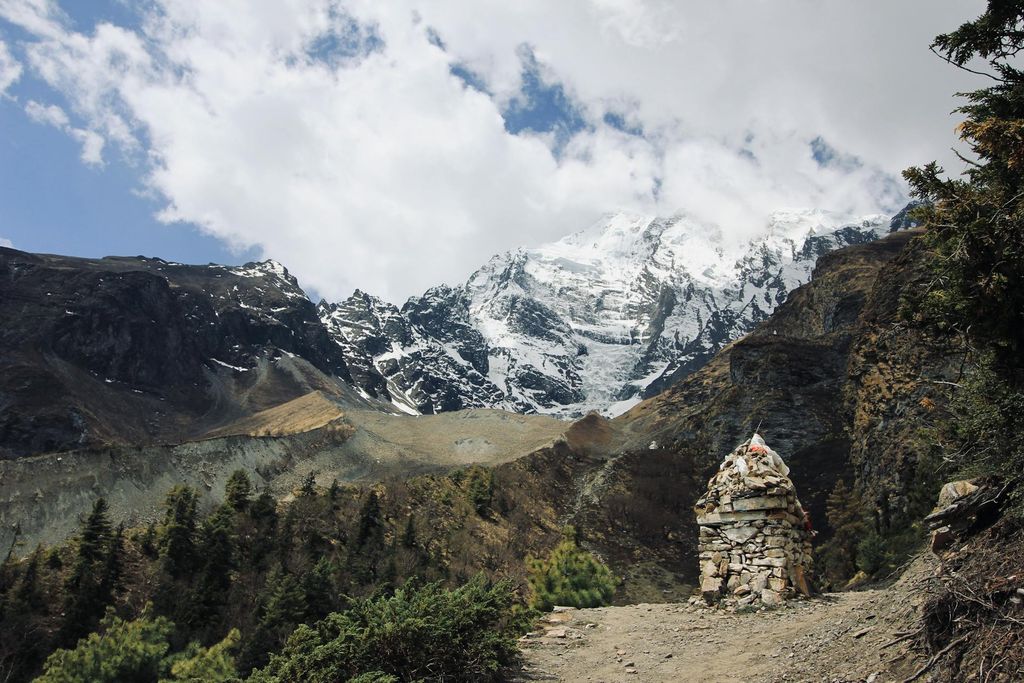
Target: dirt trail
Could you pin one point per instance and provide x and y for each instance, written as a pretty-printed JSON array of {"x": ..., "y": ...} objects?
[{"x": 842, "y": 638}]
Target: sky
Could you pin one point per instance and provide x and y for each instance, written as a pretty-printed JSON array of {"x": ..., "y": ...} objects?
[{"x": 392, "y": 146}]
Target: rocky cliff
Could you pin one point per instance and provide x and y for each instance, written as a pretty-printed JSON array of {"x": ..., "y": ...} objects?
[{"x": 138, "y": 350}]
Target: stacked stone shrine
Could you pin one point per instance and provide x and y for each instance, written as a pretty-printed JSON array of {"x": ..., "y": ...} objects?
[{"x": 754, "y": 542}]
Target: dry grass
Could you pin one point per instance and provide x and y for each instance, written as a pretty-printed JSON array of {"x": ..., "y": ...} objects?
[{"x": 303, "y": 414}]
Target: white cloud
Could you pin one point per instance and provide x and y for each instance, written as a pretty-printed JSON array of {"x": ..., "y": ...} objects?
[
  {"x": 10, "y": 69},
  {"x": 384, "y": 171},
  {"x": 52, "y": 115},
  {"x": 4, "y": 242},
  {"x": 49, "y": 114}
]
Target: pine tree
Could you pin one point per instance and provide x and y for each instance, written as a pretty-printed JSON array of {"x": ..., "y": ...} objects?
[
  {"x": 975, "y": 234},
  {"x": 409, "y": 535},
  {"x": 284, "y": 607},
  {"x": 179, "y": 532},
  {"x": 976, "y": 224},
  {"x": 85, "y": 592},
  {"x": 238, "y": 490},
  {"x": 216, "y": 556},
  {"x": 370, "y": 521},
  {"x": 113, "y": 566},
  {"x": 318, "y": 589},
  {"x": 147, "y": 542},
  {"x": 95, "y": 533},
  {"x": 569, "y": 576},
  {"x": 264, "y": 518},
  {"x": 308, "y": 487},
  {"x": 481, "y": 490}
]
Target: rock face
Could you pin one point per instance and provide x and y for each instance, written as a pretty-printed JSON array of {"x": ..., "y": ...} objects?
[
  {"x": 753, "y": 543},
  {"x": 141, "y": 350},
  {"x": 836, "y": 376},
  {"x": 595, "y": 321}
]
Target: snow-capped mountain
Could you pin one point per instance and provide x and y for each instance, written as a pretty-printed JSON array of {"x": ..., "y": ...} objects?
[{"x": 596, "y": 320}]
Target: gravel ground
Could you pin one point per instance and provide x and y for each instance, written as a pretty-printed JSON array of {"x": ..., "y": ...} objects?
[{"x": 840, "y": 637}]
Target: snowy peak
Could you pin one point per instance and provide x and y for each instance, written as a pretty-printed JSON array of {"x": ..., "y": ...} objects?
[{"x": 595, "y": 320}]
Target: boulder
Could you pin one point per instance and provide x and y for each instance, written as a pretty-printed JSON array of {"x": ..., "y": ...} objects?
[
  {"x": 711, "y": 589},
  {"x": 770, "y": 598}
]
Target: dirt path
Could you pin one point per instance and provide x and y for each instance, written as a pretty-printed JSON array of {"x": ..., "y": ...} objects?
[{"x": 838, "y": 638}]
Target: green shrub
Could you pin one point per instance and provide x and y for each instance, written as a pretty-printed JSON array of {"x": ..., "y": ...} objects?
[
  {"x": 467, "y": 634},
  {"x": 985, "y": 430},
  {"x": 569, "y": 576},
  {"x": 138, "y": 652}
]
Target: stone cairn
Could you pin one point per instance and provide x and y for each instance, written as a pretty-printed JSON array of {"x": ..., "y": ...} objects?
[{"x": 755, "y": 541}]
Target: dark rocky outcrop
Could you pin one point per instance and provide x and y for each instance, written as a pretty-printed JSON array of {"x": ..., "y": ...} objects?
[{"x": 136, "y": 350}]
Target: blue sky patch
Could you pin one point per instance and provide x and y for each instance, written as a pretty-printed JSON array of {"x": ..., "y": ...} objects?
[
  {"x": 618, "y": 122},
  {"x": 85, "y": 16},
  {"x": 51, "y": 202},
  {"x": 828, "y": 156},
  {"x": 347, "y": 41},
  {"x": 542, "y": 107},
  {"x": 469, "y": 77}
]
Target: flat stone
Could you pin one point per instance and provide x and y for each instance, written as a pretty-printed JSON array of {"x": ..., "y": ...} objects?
[
  {"x": 769, "y": 561},
  {"x": 717, "y": 518},
  {"x": 741, "y": 534},
  {"x": 759, "y": 503}
]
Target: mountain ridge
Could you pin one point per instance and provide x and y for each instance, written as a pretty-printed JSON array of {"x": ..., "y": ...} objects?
[
  {"x": 599, "y": 319},
  {"x": 140, "y": 350}
]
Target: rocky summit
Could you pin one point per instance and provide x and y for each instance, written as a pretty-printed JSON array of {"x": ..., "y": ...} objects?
[{"x": 595, "y": 321}]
